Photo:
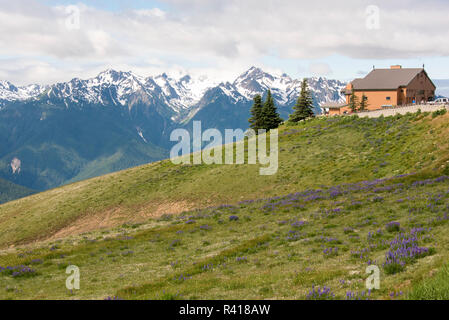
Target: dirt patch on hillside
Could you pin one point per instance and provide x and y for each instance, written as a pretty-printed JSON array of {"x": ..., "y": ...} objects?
[
  {"x": 117, "y": 216},
  {"x": 167, "y": 208}
]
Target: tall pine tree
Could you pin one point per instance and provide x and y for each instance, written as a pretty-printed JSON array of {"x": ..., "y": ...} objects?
[
  {"x": 256, "y": 114},
  {"x": 304, "y": 105},
  {"x": 353, "y": 102},
  {"x": 364, "y": 103},
  {"x": 270, "y": 116}
]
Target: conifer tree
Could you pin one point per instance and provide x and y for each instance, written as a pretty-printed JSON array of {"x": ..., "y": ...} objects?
[
  {"x": 270, "y": 117},
  {"x": 364, "y": 103},
  {"x": 256, "y": 114},
  {"x": 304, "y": 105},
  {"x": 353, "y": 102}
]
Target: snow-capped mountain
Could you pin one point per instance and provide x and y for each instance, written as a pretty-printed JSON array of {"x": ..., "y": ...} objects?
[
  {"x": 109, "y": 87},
  {"x": 184, "y": 93},
  {"x": 177, "y": 98},
  {"x": 9, "y": 92},
  {"x": 285, "y": 89},
  {"x": 256, "y": 81}
]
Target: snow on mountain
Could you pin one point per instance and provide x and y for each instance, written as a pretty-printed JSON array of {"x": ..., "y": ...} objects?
[
  {"x": 140, "y": 133},
  {"x": 126, "y": 88},
  {"x": 286, "y": 90},
  {"x": 233, "y": 92},
  {"x": 9, "y": 92},
  {"x": 325, "y": 90},
  {"x": 109, "y": 87},
  {"x": 255, "y": 81},
  {"x": 185, "y": 92},
  {"x": 180, "y": 96}
]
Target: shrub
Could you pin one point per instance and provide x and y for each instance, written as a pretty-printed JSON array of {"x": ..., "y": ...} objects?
[
  {"x": 404, "y": 249},
  {"x": 439, "y": 113},
  {"x": 393, "y": 268},
  {"x": 393, "y": 226}
]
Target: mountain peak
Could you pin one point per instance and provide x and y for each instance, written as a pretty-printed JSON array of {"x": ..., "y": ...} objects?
[
  {"x": 162, "y": 76},
  {"x": 253, "y": 71},
  {"x": 109, "y": 71},
  {"x": 185, "y": 78},
  {"x": 6, "y": 85},
  {"x": 254, "y": 81},
  {"x": 10, "y": 92},
  {"x": 111, "y": 75}
]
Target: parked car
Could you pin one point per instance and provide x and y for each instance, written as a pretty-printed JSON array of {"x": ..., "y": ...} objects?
[{"x": 440, "y": 101}]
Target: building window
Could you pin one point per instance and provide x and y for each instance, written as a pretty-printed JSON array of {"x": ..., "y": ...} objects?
[{"x": 388, "y": 98}]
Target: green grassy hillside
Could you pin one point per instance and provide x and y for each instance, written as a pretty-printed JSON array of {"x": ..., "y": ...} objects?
[{"x": 235, "y": 234}]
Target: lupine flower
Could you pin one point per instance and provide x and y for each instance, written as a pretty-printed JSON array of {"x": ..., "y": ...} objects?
[
  {"x": 318, "y": 293},
  {"x": 241, "y": 259},
  {"x": 18, "y": 271},
  {"x": 402, "y": 250}
]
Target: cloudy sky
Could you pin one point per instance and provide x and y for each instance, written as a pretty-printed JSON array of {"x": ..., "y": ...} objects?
[{"x": 46, "y": 41}]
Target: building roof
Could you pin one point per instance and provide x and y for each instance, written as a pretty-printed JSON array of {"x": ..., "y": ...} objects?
[
  {"x": 333, "y": 105},
  {"x": 386, "y": 79}
]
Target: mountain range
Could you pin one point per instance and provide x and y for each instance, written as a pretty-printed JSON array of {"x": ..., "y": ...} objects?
[{"x": 56, "y": 134}]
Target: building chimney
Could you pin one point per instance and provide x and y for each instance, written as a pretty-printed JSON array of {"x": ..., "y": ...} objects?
[{"x": 396, "y": 67}]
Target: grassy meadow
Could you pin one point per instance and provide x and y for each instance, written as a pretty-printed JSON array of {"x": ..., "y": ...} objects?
[{"x": 350, "y": 192}]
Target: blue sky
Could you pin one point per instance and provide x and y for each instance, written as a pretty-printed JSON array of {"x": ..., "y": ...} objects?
[{"x": 42, "y": 42}]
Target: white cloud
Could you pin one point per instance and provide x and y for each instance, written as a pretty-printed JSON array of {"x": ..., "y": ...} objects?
[
  {"x": 320, "y": 69},
  {"x": 221, "y": 37},
  {"x": 155, "y": 12}
]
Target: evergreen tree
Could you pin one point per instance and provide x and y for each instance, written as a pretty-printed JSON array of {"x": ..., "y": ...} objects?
[
  {"x": 304, "y": 105},
  {"x": 256, "y": 114},
  {"x": 270, "y": 117},
  {"x": 353, "y": 102},
  {"x": 364, "y": 103}
]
